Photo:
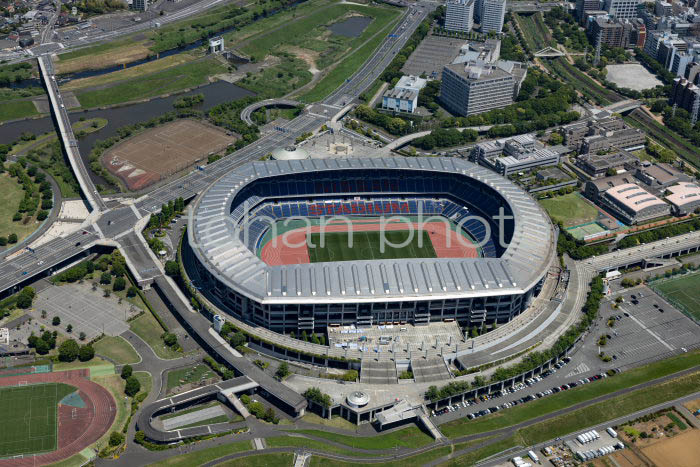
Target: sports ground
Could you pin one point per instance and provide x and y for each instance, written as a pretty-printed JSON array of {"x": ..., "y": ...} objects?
[
  {"x": 682, "y": 292},
  {"x": 361, "y": 239},
  {"x": 29, "y": 415}
]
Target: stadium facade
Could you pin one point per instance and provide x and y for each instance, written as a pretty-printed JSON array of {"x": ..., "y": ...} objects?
[{"x": 233, "y": 215}]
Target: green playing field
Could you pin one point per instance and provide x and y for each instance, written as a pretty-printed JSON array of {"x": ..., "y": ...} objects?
[
  {"x": 682, "y": 292},
  {"x": 367, "y": 246},
  {"x": 29, "y": 417}
]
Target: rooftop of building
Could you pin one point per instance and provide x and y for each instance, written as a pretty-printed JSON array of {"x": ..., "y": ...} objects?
[
  {"x": 633, "y": 196},
  {"x": 683, "y": 193},
  {"x": 604, "y": 161}
]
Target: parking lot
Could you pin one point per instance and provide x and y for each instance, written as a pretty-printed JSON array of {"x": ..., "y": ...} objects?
[{"x": 86, "y": 310}]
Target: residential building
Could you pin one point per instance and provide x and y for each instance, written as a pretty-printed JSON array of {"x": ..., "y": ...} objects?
[
  {"x": 599, "y": 165},
  {"x": 621, "y": 8},
  {"x": 475, "y": 87},
  {"x": 512, "y": 155},
  {"x": 632, "y": 204},
  {"x": 684, "y": 198},
  {"x": 404, "y": 96},
  {"x": 478, "y": 10},
  {"x": 140, "y": 5},
  {"x": 686, "y": 95},
  {"x": 662, "y": 8},
  {"x": 585, "y": 5},
  {"x": 493, "y": 12},
  {"x": 459, "y": 15}
]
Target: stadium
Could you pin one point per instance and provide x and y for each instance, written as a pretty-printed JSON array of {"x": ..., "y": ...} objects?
[{"x": 306, "y": 244}]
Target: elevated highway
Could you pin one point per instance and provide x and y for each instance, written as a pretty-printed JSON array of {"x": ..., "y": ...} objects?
[
  {"x": 248, "y": 111},
  {"x": 70, "y": 144}
]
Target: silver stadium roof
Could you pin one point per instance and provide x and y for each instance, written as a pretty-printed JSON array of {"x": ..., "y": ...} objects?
[{"x": 215, "y": 243}]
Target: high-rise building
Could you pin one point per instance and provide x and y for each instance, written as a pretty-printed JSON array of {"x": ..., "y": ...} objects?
[
  {"x": 621, "y": 8},
  {"x": 476, "y": 87},
  {"x": 478, "y": 10},
  {"x": 459, "y": 15},
  {"x": 140, "y": 5},
  {"x": 493, "y": 12},
  {"x": 586, "y": 5}
]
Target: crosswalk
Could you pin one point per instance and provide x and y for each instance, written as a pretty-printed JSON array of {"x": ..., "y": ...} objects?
[{"x": 581, "y": 368}]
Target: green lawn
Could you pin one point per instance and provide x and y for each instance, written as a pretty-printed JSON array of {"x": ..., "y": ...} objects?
[
  {"x": 12, "y": 195},
  {"x": 350, "y": 64},
  {"x": 154, "y": 84},
  {"x": 148, "y": 329},
  {"x": 298, "y": 442},
  {"x": 352, "y": 246},
  {"x": 118, "y": 349},
  {"x": 189, "y": 410},
  {"x": 682, "y": 292},
  {"x": 336, "y": 421},
  {"x": 191, "y": 374},
  {"x": 420, "y": 459},
  {"x": 280, "y": 459},
  {"x": 29, "y": 417},
  {"x": 571, "y": 209},
  {"x": 208, "y": 421},
  {"x": 565, "y": 399},
  {"x": 410, "y": 437},
  {"x": 145, "y": 379},
  {"x": 205, "y": 455},
  {"x": 10, "y": 110}
]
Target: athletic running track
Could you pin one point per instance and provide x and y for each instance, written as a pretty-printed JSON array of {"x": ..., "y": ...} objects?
[{"x": 78, "y": 428}]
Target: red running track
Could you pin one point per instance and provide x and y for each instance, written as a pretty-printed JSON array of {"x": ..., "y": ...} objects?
[
  {"x": 291, "y": 248},
  {"x": 76, "y": 430}
]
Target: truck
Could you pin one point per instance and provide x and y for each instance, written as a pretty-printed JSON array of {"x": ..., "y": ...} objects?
[
  {"x": 533, "y": 456},
  {"x": 611, "y": 432}
]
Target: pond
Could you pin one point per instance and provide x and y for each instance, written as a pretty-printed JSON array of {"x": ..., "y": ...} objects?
[
  {"x": 117, "y": 117},
  {"x": 351, "y": 27}
]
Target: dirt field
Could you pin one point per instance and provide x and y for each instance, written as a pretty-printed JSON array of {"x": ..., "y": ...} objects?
[
  {"x": 693, "y": 405},
  {"x": 160, "y": 152},
  {"x": 627, "y": 458},
  {"x": 680, "y": 451}
]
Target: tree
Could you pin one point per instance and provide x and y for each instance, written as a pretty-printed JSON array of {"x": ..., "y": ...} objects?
[
  {"x": 131, "y": 292},
  {"x": 116, "y": 438},
  {"x": 478, "y": 382},
  {"x": 82, "y": 336},
  {"x": 127, "y": 371},
  {"x": 86, "y": 353},
  {"x": 56, "y": 321},
  {"x": 105, "y": 278},
  {"x": 25, "y": 297},
  {"x": 41, "y": 346},
  {"x": 172, "y": 269},
  {"x": 119, "y": 284},
  {"x": 132, "y": 386},
  {"x": 170, "y": 339},
  {"x": 69, "y": 328},
  {"x": 238, "y": 339},
  {"x": 68, "y": 351},
  {"x": 282, "y": 371},
  {"x": 12, "y": 238}
]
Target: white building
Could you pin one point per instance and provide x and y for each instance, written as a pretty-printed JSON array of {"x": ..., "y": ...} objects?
[
  {"x": 493, "y": 12},
  {"x": 622, "y": 8},
  {"x": 404, "y": 96},
  {"x": 459, "y": 15}
]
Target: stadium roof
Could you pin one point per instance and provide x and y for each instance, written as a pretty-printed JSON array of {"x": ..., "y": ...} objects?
[{"x": 216, "y": 244}]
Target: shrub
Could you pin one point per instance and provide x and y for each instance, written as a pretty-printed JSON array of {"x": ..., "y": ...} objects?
[
  {"x": 116, "y": 438},
  {"x": 119, "y": 284},
  {"x": 68, "y": 351},
  {"x": 86, "y": 353},
  {"x": 127, "y": 371},
  {"x": 105, "y": 278},
  {"x": 132, "y": 386},
  {"x": 56, "y": 321}
]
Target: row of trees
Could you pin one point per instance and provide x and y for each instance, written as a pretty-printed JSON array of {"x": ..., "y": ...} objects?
[{"x": 672, "y": 230}]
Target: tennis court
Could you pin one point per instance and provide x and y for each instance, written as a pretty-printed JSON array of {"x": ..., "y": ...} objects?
[{"x": 29, "y": 417}]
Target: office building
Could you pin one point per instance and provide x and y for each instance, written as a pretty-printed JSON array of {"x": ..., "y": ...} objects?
[
  {"x": 493, "y": 12},
  {"x": 599, "y": 165},
  {"x": 475, "y": 87},
  {"x": 459, "y": 15},
  {"x": 621, "y": 8},
  {"x": 511, "y": 155},
  {"x": 585, "y": 5}
]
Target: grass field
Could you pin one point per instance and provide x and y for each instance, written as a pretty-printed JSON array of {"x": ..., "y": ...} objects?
[
  {"x": 410, "y": 437},
  {"x": 420, "y": 459},
  {"x": 280, "y": 459},
  {"x": 205, "y": 455},
  {"x": 154, "y": 84},
  {"x": 145, "y": 379},
  {"x": 148, "y": 329},
  {"x": 117, "y": 349},
  {"x": 366, "y": 246},
  {"x": 29, "y": 417},
  {"x": 682, "y": 292},
  {"x": 11, "y": 110},
  {"x": 336, "y": 421},
  {"x": 190, "y": 374},
  {"x": 350, "y": 64},
  {"x": 521, "y": 413},
  {"x": 570, "y": 209},
  {"x": 12, "y": 195}
]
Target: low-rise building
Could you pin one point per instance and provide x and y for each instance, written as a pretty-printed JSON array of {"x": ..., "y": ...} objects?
[
  {"x": 684, "y": 198},
  {"x": 627, "y": 138},
  {"x": 599, "y": 165},
  {"x": 404, "y": 96},
  {"x": 658, "y": 177},
  {"x": 632, "y": 204},
  {"x": 511, "y": 155}
]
